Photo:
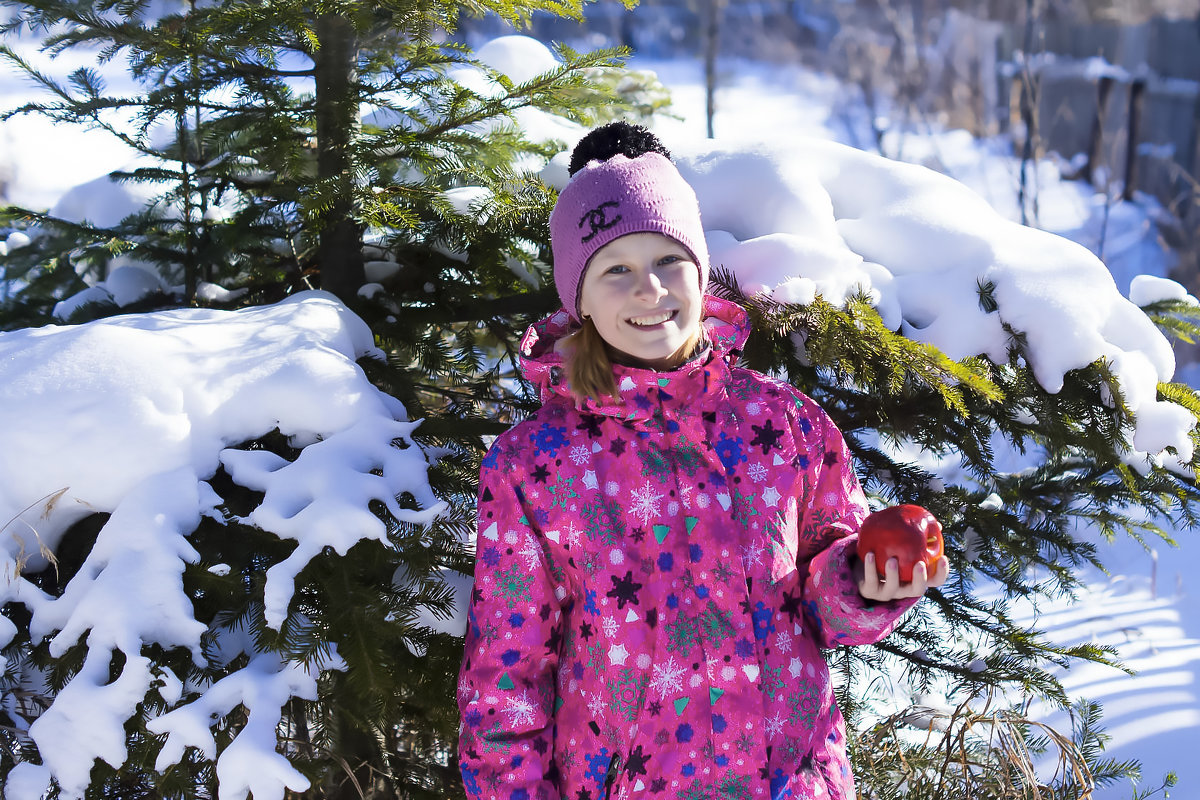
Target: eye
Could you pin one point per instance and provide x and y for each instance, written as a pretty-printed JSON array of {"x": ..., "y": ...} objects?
[
  {"x": 616, "y": 269},
  {"x": 673, "y": 258}
]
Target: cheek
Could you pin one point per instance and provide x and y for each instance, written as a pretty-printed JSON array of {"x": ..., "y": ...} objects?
[
  {"x": 587, "y": 299},
  {"x": 691, "y": 327},
  {"x": 695, "y": 307},
  {"x": 687, "y": 284},
  {"x": 599, "y": 297}
]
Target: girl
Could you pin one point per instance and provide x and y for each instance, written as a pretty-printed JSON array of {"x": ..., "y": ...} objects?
[{"x": 666, "y": 546}]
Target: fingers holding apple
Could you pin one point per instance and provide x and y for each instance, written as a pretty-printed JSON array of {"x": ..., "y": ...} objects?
[
  {"x": 873, "y": 586},
  {"x": 901, "y": 552}
]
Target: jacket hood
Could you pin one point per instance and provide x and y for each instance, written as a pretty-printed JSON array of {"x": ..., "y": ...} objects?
[{"x": 726, "y": 326}]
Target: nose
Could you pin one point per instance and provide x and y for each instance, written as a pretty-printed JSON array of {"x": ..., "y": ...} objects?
[{"x": 649, "y": 285}]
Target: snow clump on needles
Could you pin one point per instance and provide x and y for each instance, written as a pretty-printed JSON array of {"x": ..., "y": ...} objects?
[
  {"x": 132, "y": 416},
  {"x": 797, "y": 219}
]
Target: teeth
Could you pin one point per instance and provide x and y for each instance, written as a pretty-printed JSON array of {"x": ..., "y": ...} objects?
[{"x": 654, "y": 320}]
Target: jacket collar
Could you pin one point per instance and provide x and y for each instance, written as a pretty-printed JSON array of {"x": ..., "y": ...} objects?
[{"x": 639, "y": 391}]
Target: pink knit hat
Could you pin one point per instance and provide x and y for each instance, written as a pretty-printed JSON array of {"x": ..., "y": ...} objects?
[{"x": 609, "y": 199}]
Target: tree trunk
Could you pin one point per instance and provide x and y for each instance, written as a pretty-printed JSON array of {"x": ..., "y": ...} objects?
[
  {"x": 1029, "y": 103},
  {"x": 712, "y": 37},
  {"x": 339, "y": 248},
  {"x": 190, "y": 217}
]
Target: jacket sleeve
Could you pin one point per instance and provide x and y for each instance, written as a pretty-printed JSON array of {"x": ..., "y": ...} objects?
[
  {"x": 506, "y": 688},
  {"x": 834, "y": 510}
]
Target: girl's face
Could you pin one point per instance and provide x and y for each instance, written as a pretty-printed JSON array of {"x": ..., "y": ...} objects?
[{"x": 642, "y": 292}]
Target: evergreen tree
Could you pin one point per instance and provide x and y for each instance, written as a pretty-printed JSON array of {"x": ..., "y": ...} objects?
[
  {"x": 249, "y": 130},
  {"x": 1024, "y": 532},
  {"x": 270, "y": 181}
]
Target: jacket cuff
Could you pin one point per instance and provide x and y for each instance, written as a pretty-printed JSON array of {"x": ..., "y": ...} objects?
[{"x": 843, "y": 616}]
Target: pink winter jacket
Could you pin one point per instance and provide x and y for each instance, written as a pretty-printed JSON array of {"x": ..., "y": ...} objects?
[{"x": 654, "y": 580}]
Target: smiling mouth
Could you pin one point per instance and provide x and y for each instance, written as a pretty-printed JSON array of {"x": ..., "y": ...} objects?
[{"x": 651, "y": 320}]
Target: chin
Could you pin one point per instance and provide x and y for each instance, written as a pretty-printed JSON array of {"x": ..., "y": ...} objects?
[
  {"x": 663, "y": 359},
  {"x": 656, "y": 353}
]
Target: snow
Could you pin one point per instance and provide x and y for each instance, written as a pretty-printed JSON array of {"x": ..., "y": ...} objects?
[
  {"x": 1144, "y": 610},
  {"x": 148, "y": 407},
  {"x": 14, "y": 240},
  {"x": 798, "y": 217},
  {"x": 1147, "y": 289},
  {"x": 521, "y": 58},
  {"x": 133, "y": 415},
  {"x": 214, "y": 293},
  {"x": 103, "y": 202},
  {"x": 251, "y": 763}
]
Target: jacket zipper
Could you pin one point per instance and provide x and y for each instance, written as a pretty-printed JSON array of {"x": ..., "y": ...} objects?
[
  {"x": 614, "y": 765},
  {"x": 614, "y": 769}
]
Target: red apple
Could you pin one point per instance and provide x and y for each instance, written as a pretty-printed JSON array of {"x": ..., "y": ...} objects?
[{"x": 908, "y": 533}]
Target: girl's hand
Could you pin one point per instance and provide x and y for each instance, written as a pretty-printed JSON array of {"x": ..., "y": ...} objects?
[{"x": 873, "y": 587}]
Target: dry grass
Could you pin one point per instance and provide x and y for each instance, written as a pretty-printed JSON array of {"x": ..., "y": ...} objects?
[
  {"x": 22, "y": 557},
  {"x": 969, "y": 754}
]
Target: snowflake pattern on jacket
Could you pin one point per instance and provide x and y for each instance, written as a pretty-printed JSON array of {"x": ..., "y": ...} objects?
[{"x": 655, "y": 576}]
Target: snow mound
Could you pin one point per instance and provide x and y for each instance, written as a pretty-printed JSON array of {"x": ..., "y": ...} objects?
[
  {"x": 521, "y": 58},
  {"x": 132, "y": 416},
  {"x": 105, "y": 201},
  {"x": 796, "y": 219}
]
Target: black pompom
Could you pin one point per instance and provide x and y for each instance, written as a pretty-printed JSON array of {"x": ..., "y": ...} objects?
[{"x": 606, "y": 141}]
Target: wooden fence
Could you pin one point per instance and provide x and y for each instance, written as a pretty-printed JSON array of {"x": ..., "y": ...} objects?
[{"x": 1126, "y": 99}]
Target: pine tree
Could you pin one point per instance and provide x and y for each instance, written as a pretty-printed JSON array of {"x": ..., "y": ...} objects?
[
  {"x": 249, "y": 131},
  {"x": 1021, "y": 532},
  {"x": 271, "y": 182},
  {"x": 268, "y": 182}
]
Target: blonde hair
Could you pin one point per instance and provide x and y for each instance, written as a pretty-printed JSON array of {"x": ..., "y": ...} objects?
[{"x": 590, "y": 362}]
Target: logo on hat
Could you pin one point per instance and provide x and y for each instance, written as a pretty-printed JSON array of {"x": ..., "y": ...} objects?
[{"x": 598, "y": 219}]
